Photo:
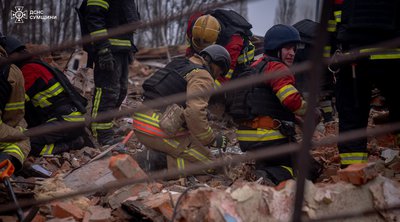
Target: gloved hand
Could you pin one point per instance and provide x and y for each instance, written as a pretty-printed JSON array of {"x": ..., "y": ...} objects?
[
  {"x": 220, "y": 141},
  {"x": 4, "y": 156},
  {"x": 106, "y": 59}
]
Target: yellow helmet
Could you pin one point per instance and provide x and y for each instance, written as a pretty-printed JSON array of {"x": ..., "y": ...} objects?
[{"x": 205, "y": 32}]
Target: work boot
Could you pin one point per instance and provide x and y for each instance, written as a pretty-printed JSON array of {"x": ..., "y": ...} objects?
[
  {"x": 106, "y": 137},
  {"x": 276, "y": 174},
  {"x": 151, "y": 160},
  {"x": 74, "y": 144}
]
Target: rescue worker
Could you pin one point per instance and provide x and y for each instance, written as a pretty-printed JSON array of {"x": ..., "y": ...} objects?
[
  {"x": 186, "y": 133},
  {"x": 12, "y": 123},
  {"x": 307, "y": 30},
  {"x": 50, "y": 100},
  {"x": 111, "y": 57},
  {"x": 360, "y": 23},
  {"x": 226, "y": 28},
  {"x": 266, "y": 113}
]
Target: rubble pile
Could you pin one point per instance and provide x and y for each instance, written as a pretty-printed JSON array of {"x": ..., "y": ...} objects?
[{"x": 234, "y": 194}]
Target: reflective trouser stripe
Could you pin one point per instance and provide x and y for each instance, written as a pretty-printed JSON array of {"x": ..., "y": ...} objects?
[
  {"x": 288, "y": 169},
  {"x": 96, "y": 102},
  {"x": 100, "y": 32},
  {"x": 351, "y": 158},
  {"x": 331, "y": 26},
  {"x": 100, "y": 3},
  {"x": 192, "y": 152},
  {"x": 14, "y": 106},
  {"x": 180, "y": 162},
  {"x": 379, "y": 53},
  {"x": 74, "y": 117},
  {"x": 12, "y": 148},
  {"x": 47, "y": 149},
  {"x": 327, "y": 51},
  {"x": 259, "y": 135},
  {"x": 102, "y": 126},
  {"x": 338, "y": 16},
  {"x": 151, "y": 120},
  {"x": 148, "y": 129},
  {"x": 120, "y": 42},
  {"x": 326, "y": 106},
  {"x": 327, "y": 109}
]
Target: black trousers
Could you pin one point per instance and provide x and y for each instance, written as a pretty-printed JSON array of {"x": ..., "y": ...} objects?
[
  {"x": 61, "y": 141},
  {"x": 111, "y": 88},
  {"x": 354, "y": 95}
]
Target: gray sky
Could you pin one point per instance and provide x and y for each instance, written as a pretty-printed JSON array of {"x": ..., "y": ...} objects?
[{"x": 261, "y": 13}]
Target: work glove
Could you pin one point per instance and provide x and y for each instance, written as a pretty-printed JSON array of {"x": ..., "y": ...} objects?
[
  {"x": 106, "y": 59},
  {"x": 220, "y": 142}
]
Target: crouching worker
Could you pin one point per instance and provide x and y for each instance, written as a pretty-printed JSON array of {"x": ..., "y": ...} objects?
[
  {"x": 50, "y": 100},
  {"x": 12, "y": 114},
  {"x": 266, "y": 112},
  {"x": 182, "y": 131}
]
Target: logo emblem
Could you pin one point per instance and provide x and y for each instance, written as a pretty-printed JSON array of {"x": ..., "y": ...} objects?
[{"x": 19, "y": 14}]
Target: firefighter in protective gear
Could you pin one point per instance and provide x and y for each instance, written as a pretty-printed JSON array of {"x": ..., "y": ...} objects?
[
  {"x": 48, "y": 102},
  {"x": 266, "y": 113},
  {"x": 226, "y": 28},
  {"x": 12, "y": 123},
  {"x": 205, "y": 32},
  {"x": 359, "y": 23},
  {"x": 193, "y": 75},
  {"x": 111, "y": 57}
]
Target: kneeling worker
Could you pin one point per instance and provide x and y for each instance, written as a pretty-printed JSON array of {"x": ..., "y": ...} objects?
[
  {"x": 50, "y": 100},
  {"x": 182, "y": 131}
]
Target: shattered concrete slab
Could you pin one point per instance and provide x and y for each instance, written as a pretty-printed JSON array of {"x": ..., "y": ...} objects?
[
  {"x": 386, "y": 193},
  {"x": 96, "y": 172}
]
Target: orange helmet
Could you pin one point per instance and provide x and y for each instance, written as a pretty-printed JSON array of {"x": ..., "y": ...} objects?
[{"x": 205, "y": 32}]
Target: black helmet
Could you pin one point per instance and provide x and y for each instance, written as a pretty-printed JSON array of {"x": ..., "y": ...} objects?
[
  {"x": 279, "y": 35},
  {"x": 12, "y": 44},
  {"x": 219, "y": 55},
  {"x": 307, "y": 29}
]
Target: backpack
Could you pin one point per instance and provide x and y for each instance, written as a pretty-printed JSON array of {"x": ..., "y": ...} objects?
[
  {"x": 79, "y": 101},
  {"x": 231, "y": 23}
]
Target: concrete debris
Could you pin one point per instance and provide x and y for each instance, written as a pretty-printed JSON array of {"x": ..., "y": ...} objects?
[
  {"x": 389, "y": 155},
  {"x": 386, "y": 194},
  {"x": 96, "y": 172},
  {"x": 97, "y": 214}
]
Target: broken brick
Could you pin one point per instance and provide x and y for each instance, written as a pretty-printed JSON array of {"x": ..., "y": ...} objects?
[
  {"x": 156, "y": 187},
  {"x": 64, "y": 210},
  {"x": 358, "y": 173},
  {"x": 124, "y": 166},
  {"x": 116, "y": 198},
  {"x": 39, "y": 218}
]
